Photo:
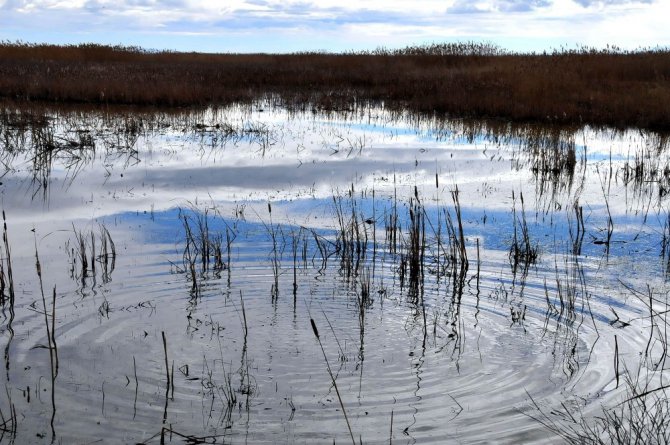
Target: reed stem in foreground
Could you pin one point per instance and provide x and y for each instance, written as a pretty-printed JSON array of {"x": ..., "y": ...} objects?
[{"x": 332, "y": 377}]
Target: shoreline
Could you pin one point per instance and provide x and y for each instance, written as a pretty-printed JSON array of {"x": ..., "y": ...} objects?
[{"x": 586, "y": 87}]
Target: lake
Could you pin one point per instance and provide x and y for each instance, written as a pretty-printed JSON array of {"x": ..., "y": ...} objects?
[{"x": 252, "y": 274}]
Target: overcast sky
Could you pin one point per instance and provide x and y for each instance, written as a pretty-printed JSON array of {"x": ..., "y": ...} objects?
[{"x": 336, "y": 25}]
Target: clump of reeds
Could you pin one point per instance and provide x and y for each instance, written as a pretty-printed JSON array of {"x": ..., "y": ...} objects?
[
  {"x": 458, "y": 254},
  {"x": 85, "y": 254},
  {"x": 352, "y": 236},
  {"x": 277, "y": 240},
  {"x": 107, "y": 254},
  {"x": 648, "y": 171},
  {"x": 364, "y": 299},
  {"x": 522, "y": 251},
  {"x": 456, "y": 267},
  {"x": 605, "y": 184},
  {"x": 567, "y": 306},
  {"x": 50, "y": 137},
  {"x": 552, "y": 155},
  {"x": 415, "y": 248},
  {"x": 203, "y": 250},
  {"x": 392, "y": 224}
]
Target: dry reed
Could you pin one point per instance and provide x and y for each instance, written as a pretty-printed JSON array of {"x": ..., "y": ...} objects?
[{"x": 602, "y": 87}]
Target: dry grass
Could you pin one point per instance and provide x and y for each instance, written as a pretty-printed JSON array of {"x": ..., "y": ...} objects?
[{"x": 611, "y": 87}]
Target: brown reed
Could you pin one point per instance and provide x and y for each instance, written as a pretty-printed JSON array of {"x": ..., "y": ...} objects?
[{"x": 602, "y": 87}]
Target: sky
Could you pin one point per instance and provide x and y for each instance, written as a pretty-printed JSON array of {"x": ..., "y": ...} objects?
[{"x": 280, "y": 26}]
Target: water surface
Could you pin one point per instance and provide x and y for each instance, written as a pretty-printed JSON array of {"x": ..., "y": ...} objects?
[{"x": 309, "y": 216}]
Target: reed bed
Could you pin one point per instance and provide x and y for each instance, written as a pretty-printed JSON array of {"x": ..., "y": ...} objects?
[{"x": 602, "y": 87}]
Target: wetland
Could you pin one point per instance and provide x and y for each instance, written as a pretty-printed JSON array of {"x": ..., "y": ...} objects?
[{"x": 257, "y": 273}]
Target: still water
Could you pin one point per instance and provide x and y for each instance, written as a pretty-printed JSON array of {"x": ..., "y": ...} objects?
[{"x": 182, "y": 257}]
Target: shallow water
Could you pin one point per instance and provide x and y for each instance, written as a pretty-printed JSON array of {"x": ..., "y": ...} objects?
[{"x": 466, "y": 353}]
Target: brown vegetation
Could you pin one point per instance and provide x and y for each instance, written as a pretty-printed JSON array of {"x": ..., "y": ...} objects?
[{"x": 612, "y": 87}]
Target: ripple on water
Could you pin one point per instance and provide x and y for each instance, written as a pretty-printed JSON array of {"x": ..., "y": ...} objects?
[{"x": 469, "y": 378}]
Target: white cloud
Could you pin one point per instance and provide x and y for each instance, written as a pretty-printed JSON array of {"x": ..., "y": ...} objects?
[
  {"x": 488, "y": 6},
  {"x": 272, "y": 25},
  {"x": 601, "y": 3}
]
